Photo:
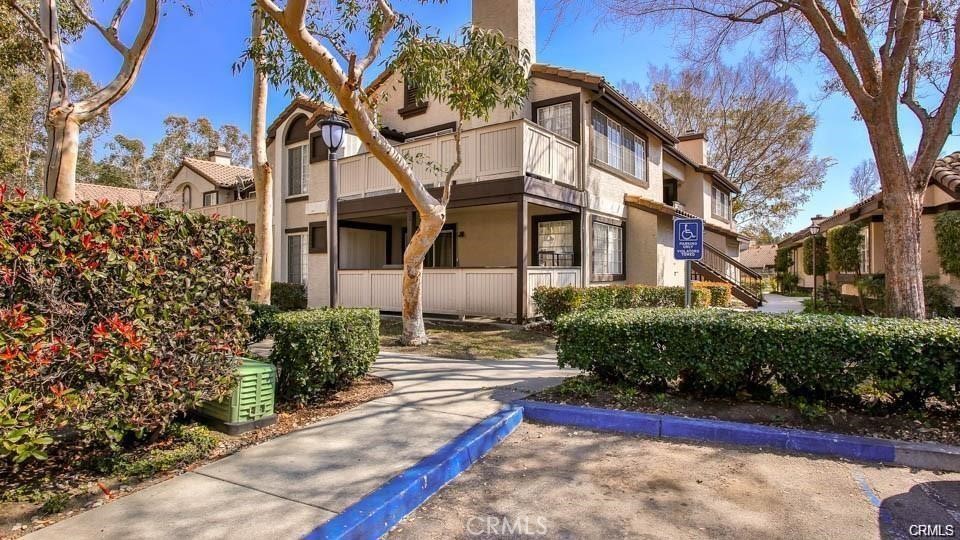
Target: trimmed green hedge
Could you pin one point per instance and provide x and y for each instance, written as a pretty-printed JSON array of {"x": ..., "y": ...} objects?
[
  {"x": 113, "y": 320},
  {"x": 262, "y": 319},
  {"x": 552, "y": 302},
  {"x": 288, "y": 296},
  {"x": 721, "y": 294},
  {"x": 320, "y": 350},
  {"x": 721, "y": 352}
]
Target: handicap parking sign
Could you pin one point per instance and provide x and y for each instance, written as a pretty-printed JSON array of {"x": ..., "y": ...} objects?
[{"x": 688, "y": 239}]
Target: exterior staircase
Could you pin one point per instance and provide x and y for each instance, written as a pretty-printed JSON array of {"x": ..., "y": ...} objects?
[{"x": 718, "y": 266}]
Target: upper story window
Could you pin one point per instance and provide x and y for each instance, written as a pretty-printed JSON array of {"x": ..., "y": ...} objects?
[
  {"x": 210, "y": 198},
  {"x": 557, "y": 118},
  {"x": 187, "y": 198},
  {"x": 619, "y": 147},
  {"x": 411, "y": 105},
  {"x": 721, "y": 204},
  {"x": 298, "y": 169}
]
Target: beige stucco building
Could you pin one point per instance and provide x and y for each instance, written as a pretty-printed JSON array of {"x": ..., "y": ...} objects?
[
  {"x": 942, "y": 195},
  {"x": 579, "y": 186}
]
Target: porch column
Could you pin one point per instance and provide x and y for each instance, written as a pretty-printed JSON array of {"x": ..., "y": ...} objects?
[{"x": 523, "y": 249}]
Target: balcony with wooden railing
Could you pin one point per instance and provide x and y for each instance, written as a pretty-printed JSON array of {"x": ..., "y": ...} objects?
[
  {"x": 245, "y": 209},
  {"x": 506, "y": 150}
]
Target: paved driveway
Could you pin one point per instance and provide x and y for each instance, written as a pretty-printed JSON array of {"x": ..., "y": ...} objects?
[
  {"x": 777, "y": 303},
  {"x": 287, "y": 486}
]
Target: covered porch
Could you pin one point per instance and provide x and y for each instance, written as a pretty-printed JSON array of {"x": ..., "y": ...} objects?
[{"x": 486, "y": 262}]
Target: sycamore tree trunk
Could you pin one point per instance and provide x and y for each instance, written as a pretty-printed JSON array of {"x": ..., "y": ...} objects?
[
  {"x": 63, "y": 149},
  {"x": 65, "y": 116},
  {"x": 262, "y": 179},
  {"x": 414, "y": 332},
  {"x": 902, "y": 208}
]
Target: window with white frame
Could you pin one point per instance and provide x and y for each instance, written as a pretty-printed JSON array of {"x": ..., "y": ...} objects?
[
  {"x": 619, "y": 147},
  {"x": 187, "y": 198},
  {"x": 721, "y": 203},
  {"x": 210, "y": 198},
  {"x": 557, "y": 118},
  {"x": 296, "y": 258},
  {"x": 298, "y": 169},
  {"x": 607, "y": 253}
]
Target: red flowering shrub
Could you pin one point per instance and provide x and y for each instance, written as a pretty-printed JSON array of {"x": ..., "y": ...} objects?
[{"x": 113, "y": 319}]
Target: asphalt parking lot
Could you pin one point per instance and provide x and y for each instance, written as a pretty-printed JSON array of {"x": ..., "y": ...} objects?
[{"x": 559, "y": 482}]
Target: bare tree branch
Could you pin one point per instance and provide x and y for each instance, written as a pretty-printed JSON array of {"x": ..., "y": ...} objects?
[
  {"x": 358, "y": 67},
  {"x": 859, "y": 44},
  {"x": 109, "y": 34}
]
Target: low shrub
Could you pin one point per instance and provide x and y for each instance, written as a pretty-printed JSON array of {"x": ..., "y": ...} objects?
[
  {"x": 721, "y": 352},
  {"x": 948, "y": 241},
  {"x": 262, "y": 319},
  {"x": 552, "y": 302},
  {"x": 938, "y": 298},
  {"x": 721, "y": 294},
  {"x": 288, "y": 296},
  {"x": 114, "y": 320},
  {"x": 320, "y": 350}
]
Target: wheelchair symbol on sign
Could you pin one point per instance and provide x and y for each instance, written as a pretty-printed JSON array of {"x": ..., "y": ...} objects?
[{"x": 688, "y": 232}]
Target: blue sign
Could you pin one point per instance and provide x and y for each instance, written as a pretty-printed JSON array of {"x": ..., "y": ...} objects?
[{"x": 688, "y": 239}]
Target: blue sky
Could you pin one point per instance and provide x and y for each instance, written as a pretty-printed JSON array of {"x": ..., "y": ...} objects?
[{"x": 188, "y": 71}]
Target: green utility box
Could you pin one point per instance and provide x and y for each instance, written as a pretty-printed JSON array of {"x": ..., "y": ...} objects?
[{"x": 250, "y": 405}]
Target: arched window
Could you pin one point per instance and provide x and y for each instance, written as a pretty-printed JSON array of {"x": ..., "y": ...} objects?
[
  {"x": 298, "y": 156},
  {"x": 187, "y": 198}
]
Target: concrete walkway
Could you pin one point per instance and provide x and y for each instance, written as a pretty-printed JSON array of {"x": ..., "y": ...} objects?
[
  {"x": 287, "y": 486},
  {"x": 776, "y": 303}
]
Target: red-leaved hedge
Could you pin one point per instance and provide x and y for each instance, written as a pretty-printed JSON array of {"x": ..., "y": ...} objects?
[{"x": 113, "y": 320}]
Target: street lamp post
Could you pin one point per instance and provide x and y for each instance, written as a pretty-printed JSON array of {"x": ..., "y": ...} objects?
[
  {"x": 815, "y": 231},
  {"x": 332, "y": 129}
]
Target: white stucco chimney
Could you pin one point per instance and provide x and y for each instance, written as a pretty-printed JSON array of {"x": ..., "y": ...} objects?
[
  {"x": 516, "y": 19},
  {"x": 694, "y": 146},
  {"x": 220, "y": 156}
]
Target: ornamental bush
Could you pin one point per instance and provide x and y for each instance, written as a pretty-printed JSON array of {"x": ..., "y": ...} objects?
[
  {"x": 262, "y": 318},
  {"x": 821, "y": 255},
  {"x": 113, "y": 319},
  {"x": 288, "y": 296},
  {"x": 844, "y": 245},
  {"x": 948, "y": 241},
  {"x": 321, "y": 350},
  {"x": 552, "y": 302},
  {"x": 721, "y": 352},
  {"x": 721, "y": 294}
]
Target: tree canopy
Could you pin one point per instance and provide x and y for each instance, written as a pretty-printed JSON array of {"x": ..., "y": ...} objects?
[{"x": 758, "y": 131}]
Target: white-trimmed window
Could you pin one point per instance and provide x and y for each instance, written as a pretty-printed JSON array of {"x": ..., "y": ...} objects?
[
  {"x": 557, "y": 118},
  {"x": 210, "y": 198},
  {"x": 721, "y": 203},
  {"x": 296, "y": 258},
  {"x": 607, "y": 253},
  {"x": 619, "y": 147},
  {"x": 298, "y": 169},
  {"x": 187, "y": 198}
]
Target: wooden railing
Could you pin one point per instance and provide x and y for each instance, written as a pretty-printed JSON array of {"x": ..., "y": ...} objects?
[
  {"x": 719, "y": 265},
  {"x": 245, "y": 209},
  {"x": 505, "y": 150}
]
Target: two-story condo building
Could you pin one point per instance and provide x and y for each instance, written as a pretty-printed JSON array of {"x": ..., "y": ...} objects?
[{"x": 578, "y": 187}]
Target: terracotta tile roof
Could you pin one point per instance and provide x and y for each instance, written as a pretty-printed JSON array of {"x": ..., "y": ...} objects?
[
  {"x": 127, "y": 196},
  {"x": 946, "y": 172},
  {"x": 225, "y": 176},
  {"x": 759, "y": 256}
]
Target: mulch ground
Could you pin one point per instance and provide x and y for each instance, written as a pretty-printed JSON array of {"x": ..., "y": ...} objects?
[
  {"x": 85, "y": 489},
  {"x": 937, "y": 423}
]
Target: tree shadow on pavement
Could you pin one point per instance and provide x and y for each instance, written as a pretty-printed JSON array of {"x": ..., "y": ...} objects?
[{"x": 928, "y": 510}]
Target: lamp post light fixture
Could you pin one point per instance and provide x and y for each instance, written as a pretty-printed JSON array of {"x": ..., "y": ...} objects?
[
  {"x": 332, "y": 130},
  {"x": 815, "y": 231}
]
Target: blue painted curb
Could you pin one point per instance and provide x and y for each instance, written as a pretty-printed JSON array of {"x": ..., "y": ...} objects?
[
  {"x": 678, "y": 427},
  {"x": 376, "y": 513}
]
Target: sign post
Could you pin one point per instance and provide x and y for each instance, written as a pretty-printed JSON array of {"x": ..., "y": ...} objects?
[{"x": 687, "y": 246}]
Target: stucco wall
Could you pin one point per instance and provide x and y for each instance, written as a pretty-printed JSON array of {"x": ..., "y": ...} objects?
[
  {"x": 489, "y": 235},
  {"x": 198, "y": 185}
]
